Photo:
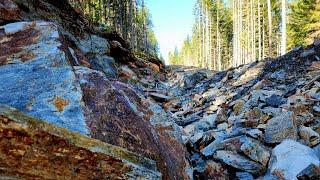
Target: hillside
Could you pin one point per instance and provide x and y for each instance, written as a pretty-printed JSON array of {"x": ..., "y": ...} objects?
[{"x": 78, "y": 103}]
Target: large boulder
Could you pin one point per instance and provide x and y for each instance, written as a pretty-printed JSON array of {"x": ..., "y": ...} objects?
[
  {"x": 115, "y": 113},
  {"x": 93, "y": 44},
  {"x": 103, "y": 63},
  {"x": 33, "y": 149},
  {"x": 36, "y": 77},
  {"x": 193, "y": 79},
  {"x": 289, "y": 159}
]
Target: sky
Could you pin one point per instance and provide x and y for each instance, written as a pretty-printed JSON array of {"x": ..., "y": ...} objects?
[{"x": 173, "y": 21}]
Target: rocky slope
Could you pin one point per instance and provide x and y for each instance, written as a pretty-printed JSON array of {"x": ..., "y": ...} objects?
[
  {"x": 260, "y": 120},
  {"x": 111, "y": 113}
]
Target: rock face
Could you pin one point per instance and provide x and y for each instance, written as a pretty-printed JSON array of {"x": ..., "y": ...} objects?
[
  {"x": 122, "y": 118},
  {"x": 36, "y": 77},
  {"x": 290, "y": 158},
  {"x": 33, "y": 149},
  {"x": 40, "y": 77}
]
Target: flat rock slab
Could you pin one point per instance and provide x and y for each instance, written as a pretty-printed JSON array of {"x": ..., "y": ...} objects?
[
  {"x": 160, "y": 97},
  {"x": 33, "y": 149},
  {"x": 275, "y": 101},
  {"x": 239, "y": 162},
  {"x": 36, "y": 77},
  {"x": 251, "y": 148}
]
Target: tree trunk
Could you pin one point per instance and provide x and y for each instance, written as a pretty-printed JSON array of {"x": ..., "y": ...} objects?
[
  {"x": 259, "y": 27},
  {"x": 283, "y": 27},
  {"x": 145, "y": 31},
  {"x": 270, "y": 27}
]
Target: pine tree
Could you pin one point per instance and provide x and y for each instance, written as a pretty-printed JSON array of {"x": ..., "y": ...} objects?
[
  {"x": 130, "y": 18},
  {"x": 304, "y": 24}
]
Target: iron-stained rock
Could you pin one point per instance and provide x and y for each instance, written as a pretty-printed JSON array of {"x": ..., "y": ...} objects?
[
  {"x": 255, "y": 151},
  {"x": 9, "y": 11},
  {"x": 36, "y": 77},
  {"x": 310, "y": 172},
  {"x": 33, "y": 149},
  {"x": 307, "y": 134},
  {"x": 281, "y": 127}
]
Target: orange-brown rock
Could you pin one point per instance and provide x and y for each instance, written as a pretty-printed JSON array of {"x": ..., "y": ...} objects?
[
  {"x": 33, "y": 149},
  {"x": 154, "y": 67},
  {"x": 121, "y": 117},
  {"x": 13, "y": 43},
  {"x": 9, "y": 11}
]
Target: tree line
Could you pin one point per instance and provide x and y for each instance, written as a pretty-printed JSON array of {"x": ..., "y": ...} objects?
[
  {"x": 130, "y": 18},
  {"x": 230, "y": 33}
]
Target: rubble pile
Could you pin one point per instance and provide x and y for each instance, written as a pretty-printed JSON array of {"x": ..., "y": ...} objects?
[{"x": 257, "y": 120}]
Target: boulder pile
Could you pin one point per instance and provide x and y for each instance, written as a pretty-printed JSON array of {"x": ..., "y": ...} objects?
[{"x": 257, "y": 120}]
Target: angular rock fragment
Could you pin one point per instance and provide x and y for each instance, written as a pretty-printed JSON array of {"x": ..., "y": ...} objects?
[
  {"x": 93, "y": 44},
  {"x": 214, "y": 170},
  {"x": 220, "y": 144},
  {"x": 275, "y": 101},
  {"x": 241, "y": 144},
  {"x": 281, "y": 127},
  {"x": 238, "y": 107},
  {"x": 221, "y": 116},
  {"x": 255, "y": 133},
  {"x": 255, "y": 151},
  {"x": 192, "y": 80},
  {"x": 311, "y": 172},
  {"x": 307, "y": 134},
  {"x": 103, "y": 63},
  {"x": 239, "y": 162},
  {"x": 289, "y": 158},
  {"x": 159, "y": 97}
]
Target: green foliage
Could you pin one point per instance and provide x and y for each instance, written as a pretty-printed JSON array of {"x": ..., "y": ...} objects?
[
  {"x": 191, "y": 53},
  {"x": 248, "y": 38},
  {"x": 304, "y": 24},
  {"x": 130, "y": 18},
  {"x": 174, "y": 58}
]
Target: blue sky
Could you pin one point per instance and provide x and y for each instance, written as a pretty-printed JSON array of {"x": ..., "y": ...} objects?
[{"x": 173, "y": 21}]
